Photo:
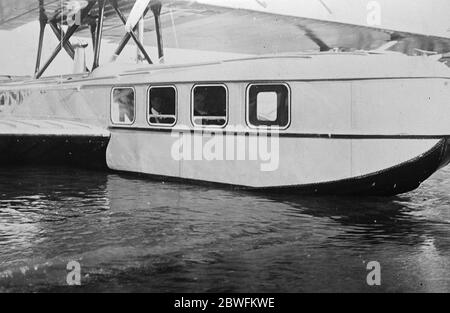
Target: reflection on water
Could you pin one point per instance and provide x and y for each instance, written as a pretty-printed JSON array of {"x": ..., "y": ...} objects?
[{"x": 130, "y": 233}]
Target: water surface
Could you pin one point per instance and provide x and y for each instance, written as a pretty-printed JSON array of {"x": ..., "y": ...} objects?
[{"x": 130, "y": 233}]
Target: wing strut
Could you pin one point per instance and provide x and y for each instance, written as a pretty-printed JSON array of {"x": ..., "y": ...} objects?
[
  {"x": 43, "y": 19},
  {"x": 93, "y": 31},
  {"x": 63, "y": 38},
  {"x": 96, "y": 28},
  {"x": 72, "y": 29},
  {"x": 98, "y": 38},
  {"x": 156, "y": 9},
  {"x": 59, "y": 33},
  {"x": 129, "y": 35}
]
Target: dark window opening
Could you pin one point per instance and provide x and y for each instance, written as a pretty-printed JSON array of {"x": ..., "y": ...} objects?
[
  {"x": 123, "y": 106},
  {"x": 162, "y": 105},
  {"x": 268, "y": 105},
  {"x": 210, "y": 105}
]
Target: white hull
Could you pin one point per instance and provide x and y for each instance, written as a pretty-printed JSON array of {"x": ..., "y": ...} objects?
[{"x": 345, "y": 123}]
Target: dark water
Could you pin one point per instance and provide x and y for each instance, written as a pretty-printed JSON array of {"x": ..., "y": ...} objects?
[{"x": 132, "y": 234}]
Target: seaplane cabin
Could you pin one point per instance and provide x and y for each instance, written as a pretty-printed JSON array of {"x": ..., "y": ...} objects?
[
  {"x": 308, "y": 122},
  {"x": 374, "y": 123},
  {"x": 364, "y": 122}
]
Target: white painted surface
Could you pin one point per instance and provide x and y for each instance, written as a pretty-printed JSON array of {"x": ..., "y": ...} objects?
[
  {"x": 339, "y": 99},
  {"x": 36, "y": 127},
  {"x": 302, "y": 160}
]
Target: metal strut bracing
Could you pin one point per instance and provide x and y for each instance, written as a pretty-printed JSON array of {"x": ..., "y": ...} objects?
[
  {"x": 42, "y": 23},
  {"x": 129, "y": 35},
  {"x": 93, "y": 29},
  {"x": 72, "y": 29},
  {"x": 98, "y": 37},
  {"x": 156, "y": 9},
  {"x": 62, "y": 37},
  {"x": 60, "y": 34},
  {"x": 96, "y": 28}
]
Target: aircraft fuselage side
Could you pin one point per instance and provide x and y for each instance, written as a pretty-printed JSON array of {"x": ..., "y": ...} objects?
[{"x": 355, "y": 122}]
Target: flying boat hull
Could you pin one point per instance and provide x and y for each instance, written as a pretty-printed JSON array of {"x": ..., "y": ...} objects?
[{"x": 380, "y": 131}]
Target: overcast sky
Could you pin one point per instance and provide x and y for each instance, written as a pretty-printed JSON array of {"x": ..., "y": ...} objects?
[{"x": 421, "y": 16}]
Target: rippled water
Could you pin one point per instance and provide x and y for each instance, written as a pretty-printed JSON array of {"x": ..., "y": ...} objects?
[{"x": 130, "y": 233}]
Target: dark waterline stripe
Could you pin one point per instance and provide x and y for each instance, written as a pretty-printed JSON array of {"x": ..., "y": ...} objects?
[{"x": 280, "y": 134}]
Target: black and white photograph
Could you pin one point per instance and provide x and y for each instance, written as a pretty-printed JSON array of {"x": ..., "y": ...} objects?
[{"x": 221, "y": 153}]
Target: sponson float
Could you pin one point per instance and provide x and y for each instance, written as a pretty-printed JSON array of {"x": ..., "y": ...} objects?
[{"x": 363, "y": 122}]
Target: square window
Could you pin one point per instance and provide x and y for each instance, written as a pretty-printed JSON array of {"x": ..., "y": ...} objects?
[
  {"x": 209, "y": 105},
  {"x": 123, "y": 105},
  {"x": 162, "y": 106},
  {"x": 268, "y": 105}
]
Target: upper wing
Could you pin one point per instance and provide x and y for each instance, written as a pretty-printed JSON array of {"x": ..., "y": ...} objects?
[
  {"x": 194, "y": 25},
  {"x": 191, "y": 24},
  {"x": 15, "y": 13}
]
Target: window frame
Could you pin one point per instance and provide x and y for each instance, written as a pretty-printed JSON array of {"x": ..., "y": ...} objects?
[
  {"x": 247, "y": 105},
  {"x": 148, "y": 105},
  {"x": 227, "y": 112},
  {"x": 111, "y": 102}
]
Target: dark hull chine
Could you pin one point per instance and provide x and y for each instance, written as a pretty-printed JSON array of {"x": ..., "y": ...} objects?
[
  {"x": 399, "y": 179},
  {"x": 83, "y": 151}
]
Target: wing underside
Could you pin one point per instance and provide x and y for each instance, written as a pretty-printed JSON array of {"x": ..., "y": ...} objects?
[{"x": 192, "y": 25}]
